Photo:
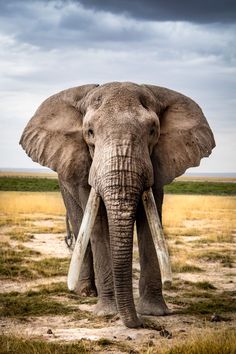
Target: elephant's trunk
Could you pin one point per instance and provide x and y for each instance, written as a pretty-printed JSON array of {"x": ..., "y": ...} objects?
[
  {"x": 121, "y": 220},
  {"x": 121, "y": 193}
]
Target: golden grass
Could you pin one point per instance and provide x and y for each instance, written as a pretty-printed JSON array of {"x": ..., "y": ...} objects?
[
  {"x": 208, "y": 342},
  {"x": 211, "y": 218},
  {"x": 31, "y": 202},
  {"x": 178, "y": 208},
  {"x": 12, "y": 344},
  {"x": 208, "y": 220}
]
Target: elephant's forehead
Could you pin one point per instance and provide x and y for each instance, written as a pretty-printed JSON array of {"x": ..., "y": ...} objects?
[
  {"x": 117, "y": 91},
  {"x": 119, "y": 97},
  {"x": 120, "y": 86}
]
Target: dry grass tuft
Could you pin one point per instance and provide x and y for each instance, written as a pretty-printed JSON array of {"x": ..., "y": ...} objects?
[
  {"x": 226, "y": 259},
  {"x": 20, "y": 234},
  {"x": 11, "y": 344},
  {"x": 209, "y": 342}
]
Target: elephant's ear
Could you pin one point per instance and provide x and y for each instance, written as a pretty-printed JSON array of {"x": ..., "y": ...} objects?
[
  {"x": 53, "y": 137},
  {"x": 185, "y": 136}
]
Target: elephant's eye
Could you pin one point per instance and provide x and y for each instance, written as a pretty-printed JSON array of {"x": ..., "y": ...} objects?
[
  {"x": 152, "y": 131},
  {"x": 90, "y": 133},
  {"x": 143, "y": 103}
]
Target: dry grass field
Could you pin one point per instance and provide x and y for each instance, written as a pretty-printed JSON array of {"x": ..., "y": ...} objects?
[
  {"x": 39, "y": 315},
  {"x": 49, "y": 174}
]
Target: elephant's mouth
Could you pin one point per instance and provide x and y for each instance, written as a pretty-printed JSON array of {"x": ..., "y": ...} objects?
[{"x": 87, "y": 226}]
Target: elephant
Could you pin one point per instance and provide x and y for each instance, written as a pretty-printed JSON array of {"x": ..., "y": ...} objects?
[{"x": 114, "y": 147}]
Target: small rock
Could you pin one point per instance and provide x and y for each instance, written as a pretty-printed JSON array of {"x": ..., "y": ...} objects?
[
  {"x": 49, "y": 331},
  {"x": 150, "y": 343},
  {"x": 114, "y": 337},
  {"x": 216, "y": 318},
  {"x": 182, "y": 330},
  {"x": 128, "y": 338},
  {"x": 166, "y": 334}
]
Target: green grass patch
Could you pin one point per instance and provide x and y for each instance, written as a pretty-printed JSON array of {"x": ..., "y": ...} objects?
[
  {"x": 17, "y": 263},
  {"x": 208, "y": 188},
  {"x": 32, "y": 303},
  {"x": 31, "y": 184},
  {"x": 14, "y": 262},
  {"x": 185, "y": 268},
  {"x": 214, "y": 256},
  {"x": 50, "y": 267},
  {"x": 59, "y": 288},
  {"x": 20, "y": 234},
  {"x": 213, "y": 303},
  {"x": 204, "y": 285},
  {"x": 196, "y": 302},
  {"x": 53, "y": 299}
]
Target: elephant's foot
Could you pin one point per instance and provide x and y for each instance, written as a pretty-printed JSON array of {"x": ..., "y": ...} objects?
[
  {"x": 133, "y": 323},
  {"x": 154, "y": 307},
  {"x": 106, "y": 307},
  {"x": 86, "y": 288}
]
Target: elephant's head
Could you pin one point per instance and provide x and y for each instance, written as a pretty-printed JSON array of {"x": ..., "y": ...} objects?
[{"x": 122, "y": 139}]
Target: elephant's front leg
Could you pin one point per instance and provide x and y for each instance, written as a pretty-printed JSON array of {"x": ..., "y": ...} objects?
[
  {"x": 86, "y": 283},
  {"x": 151, "y": 300},
  {"x": 102, "y": 265}
]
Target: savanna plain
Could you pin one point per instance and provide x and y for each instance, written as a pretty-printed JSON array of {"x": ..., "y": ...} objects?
[{"x": 39, "y": 315}]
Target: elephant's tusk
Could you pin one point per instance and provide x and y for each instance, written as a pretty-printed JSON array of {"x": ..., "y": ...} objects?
[
  {"x": 158, "y": 236},
  {"x": 82, "y": 241}
]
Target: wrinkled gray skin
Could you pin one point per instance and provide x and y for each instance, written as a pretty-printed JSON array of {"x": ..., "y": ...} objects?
[{"x": 119, "y": 138}]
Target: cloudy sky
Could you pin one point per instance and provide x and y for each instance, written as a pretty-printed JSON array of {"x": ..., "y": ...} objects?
[{"x": 189, "y": 46}]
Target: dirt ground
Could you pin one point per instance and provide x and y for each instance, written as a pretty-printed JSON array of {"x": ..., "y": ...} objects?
[{"x": 204, "y": 288}]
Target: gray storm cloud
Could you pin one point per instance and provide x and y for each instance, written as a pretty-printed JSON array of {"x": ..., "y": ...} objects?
[{"x": 166, "y": 10}]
